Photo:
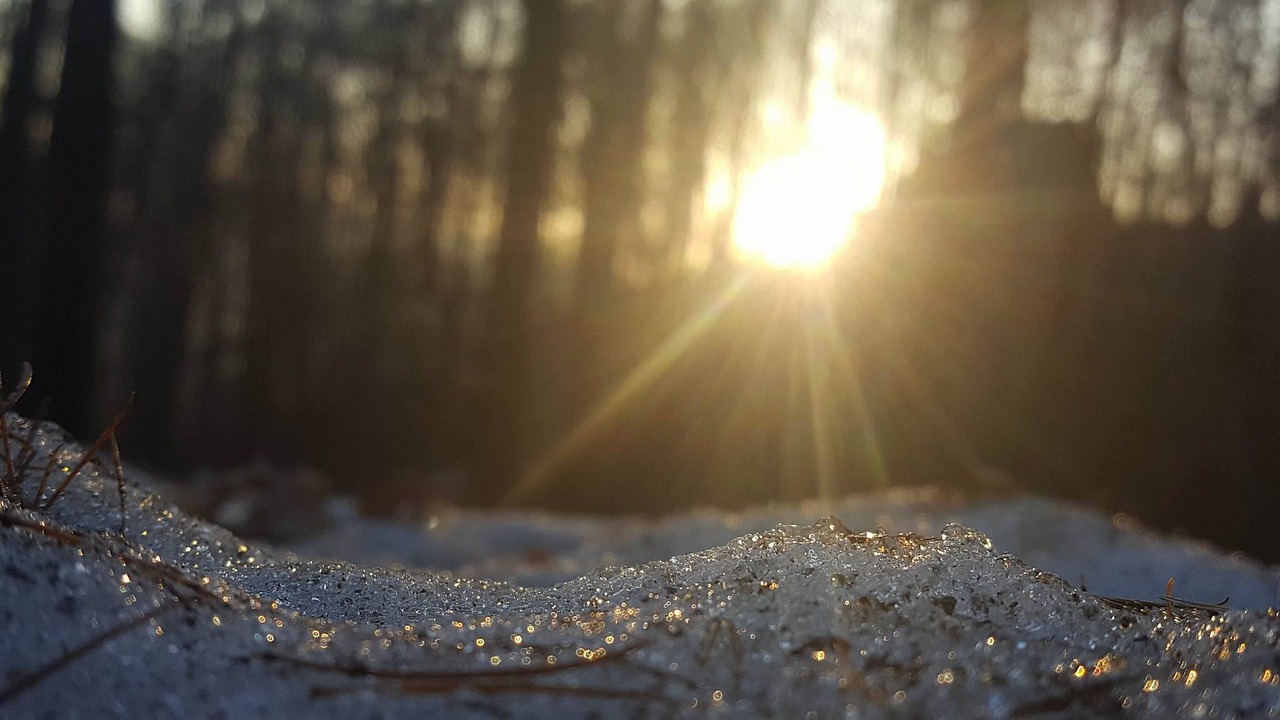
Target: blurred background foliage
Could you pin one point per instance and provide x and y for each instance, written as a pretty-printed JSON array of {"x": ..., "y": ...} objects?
[{"x": 543, "y": 252}]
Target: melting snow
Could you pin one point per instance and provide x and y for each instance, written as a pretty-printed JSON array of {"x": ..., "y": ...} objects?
[{"x": 817, "y": 619}]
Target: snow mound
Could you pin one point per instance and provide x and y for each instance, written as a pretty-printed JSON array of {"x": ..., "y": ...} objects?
[
  {"x": 1110, "y": 555},
  {"x": 176, "y": 617}
]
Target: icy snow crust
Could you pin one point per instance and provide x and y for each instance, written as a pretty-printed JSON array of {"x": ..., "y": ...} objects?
[
  {"x": 1110, "y": 556},
  {"x": 797, "y": 621}
]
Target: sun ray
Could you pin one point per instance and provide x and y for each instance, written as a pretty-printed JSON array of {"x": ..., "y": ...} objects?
[
  {"x": 848, "y": 377},
  {"x": 819, "y": 419},
  {"x": 640, "y": 378},
  {"x": 741, "y": 420}
]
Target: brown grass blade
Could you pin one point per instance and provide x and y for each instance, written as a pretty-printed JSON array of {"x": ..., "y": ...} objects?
[{"x": 87, "y": 456}]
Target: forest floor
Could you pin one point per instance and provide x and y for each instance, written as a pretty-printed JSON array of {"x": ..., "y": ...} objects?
[{"x": 870, "y": 607}]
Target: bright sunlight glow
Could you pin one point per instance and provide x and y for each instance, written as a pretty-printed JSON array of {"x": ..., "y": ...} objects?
[
  {"x": 140, "y": 19},
  {"x": 798, "y": 210}
]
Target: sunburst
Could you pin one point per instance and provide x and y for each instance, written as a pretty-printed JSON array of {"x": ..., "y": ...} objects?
[{"x": 799, "y": 210}]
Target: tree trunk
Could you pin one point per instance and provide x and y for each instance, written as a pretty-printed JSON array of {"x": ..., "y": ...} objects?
[
  {"x": 283, "y": 266},
  {"x": 611, "y": 155},
  {"x": 175, "y": 244},
  {"x": 17, "y": 243},
  {"x": 66, "y": 331},
  {"x": 741, "y": 97},
  {"x": 991, "y": 93},
  {"x": 691, "y": 130},
  {"x": 536, "y": 111}
]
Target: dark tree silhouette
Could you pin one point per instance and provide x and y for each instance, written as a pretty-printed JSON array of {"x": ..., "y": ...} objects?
[
  {"x": 612, "y": 151},
  {"x": 740, "y": 58},
  {"x": 381, "y": 281},
  {"x": 69, "y": 315},
  {"x": 535, "y": 112},
  {"x": 991, "y": 93},
  {"x": 283, "y": 263},
  {"x": 174, "y": 245},
  {"x": 17, "y": 247},
  {"x": 691, "y": 126}
]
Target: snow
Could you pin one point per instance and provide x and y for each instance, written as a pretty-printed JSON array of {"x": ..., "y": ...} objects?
[
  {"x": 1109, "y": 555},
  {"x": 704, "y": 614}
]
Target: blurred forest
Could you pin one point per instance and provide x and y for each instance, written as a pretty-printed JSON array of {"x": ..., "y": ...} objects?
[{"x": 494, "y": 251}]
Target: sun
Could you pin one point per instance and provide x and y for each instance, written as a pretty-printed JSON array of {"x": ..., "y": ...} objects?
[
  {"x": 141, "y": 20},
  {"x": 798, "y": 210}
]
